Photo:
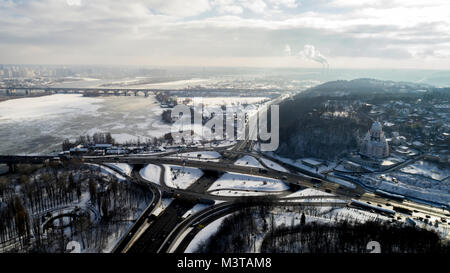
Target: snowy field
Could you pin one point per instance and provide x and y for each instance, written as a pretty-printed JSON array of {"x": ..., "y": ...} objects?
[
  {"x": 197, "y": 208},
  {"x": 273, "y": 165},
  {"x": 248, "y": 161},
  {"x": 203, "y": 155},
  {"x": 246, "y": 184},
  {"x": 341, "y": 182},
  {"x": 411, "y": 185},
  {"x": 204, "y": 234},
  {"x": 121, "y": 167},
  {"x": 298, "y": 163},
  {"x": 311, "y": 193},
  {"x": 427, "y": 169},
  {"x": 106, "y": 171},
  {"x": 181, "y": 177},
  {"x": 151, "y": 173}
]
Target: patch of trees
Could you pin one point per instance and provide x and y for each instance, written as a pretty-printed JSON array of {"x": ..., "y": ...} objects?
[
  {"x": 96, "y": 138},
  {"x": 166, "y": 116},
  {"x": 243, "y": 231},
  {"x": 309, "y": 127},
  {"x": 25, "y": 201},
  {"x": 165, "y": 98},
  {"x": 345, "y": 237}
]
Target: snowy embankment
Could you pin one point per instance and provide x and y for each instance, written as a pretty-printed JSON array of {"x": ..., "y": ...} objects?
[
  {"x": 151, "y": 173},
  {"x": 106, "y": 171},
  {"x": 181, "y": 177},
  {"x": 415, "y": 186},
  {"x": 204, "y": 234},
  {"x": 203, "y": 155},
  {"x": 427, "y": 169},
  {"x": 273, "y": 165},
  {"x": 248, "y": 161},
  {"x": 341, "y": 182},
  {"x": 197, "y": 208},
  {"x": 121, "y": 167},
  {"x": 301, "y": 194},
  {"x": 298, "y": 163},
  {"x": 245, "y": 184},
  {"x": 285, "y": 217}
]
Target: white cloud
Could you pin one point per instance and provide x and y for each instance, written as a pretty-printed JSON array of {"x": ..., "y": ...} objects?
[
  {"x": 178, "y": 7},
  {"x": 287, "y": 50},
  {"x": 74, "y": 2},
  {"x": 283, "y": 3},
  {"x": 227, "y": 7},
  {"x": 256, "y": 6},
  {"x": 398, "y": 31}
]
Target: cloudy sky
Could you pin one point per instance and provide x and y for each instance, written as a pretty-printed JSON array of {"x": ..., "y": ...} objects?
[{"x": 258, "y": 33}]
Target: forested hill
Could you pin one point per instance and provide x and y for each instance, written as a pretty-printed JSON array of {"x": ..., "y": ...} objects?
[
  {"x": 365, "y": 86},
  {"x": 323, "y": 121}
]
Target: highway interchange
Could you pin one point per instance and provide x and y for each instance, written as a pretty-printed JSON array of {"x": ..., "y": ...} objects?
[{"x": 169, "y": 231}]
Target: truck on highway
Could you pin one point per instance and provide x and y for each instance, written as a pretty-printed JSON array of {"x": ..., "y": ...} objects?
[
  {"x": 155, "y": 213},
  {"x": 315, "y": 180},
  {"x": 260, "y": 170},
  {"x": 390, "y": 195},
  {"x": 369, "y": 207}
]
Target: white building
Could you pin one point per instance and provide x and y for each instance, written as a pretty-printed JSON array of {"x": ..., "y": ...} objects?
[{"x": 374, "y": 144}]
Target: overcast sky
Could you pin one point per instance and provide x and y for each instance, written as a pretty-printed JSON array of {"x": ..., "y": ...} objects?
[{"x": 260, "y": 33}]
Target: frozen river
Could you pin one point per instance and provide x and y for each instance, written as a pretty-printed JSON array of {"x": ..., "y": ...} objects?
[{"x": 39, "y": 125}]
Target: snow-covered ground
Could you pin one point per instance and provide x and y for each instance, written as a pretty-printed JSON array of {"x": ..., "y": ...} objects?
[
  {"x": 165, "y": 202},
  {"x": 121, "y": 167},
  {"x": 273, "y": 165},
  {"x": 201, "y": 155},
  {"x": 248, "y": 161},
  {"x": 287, "y": 216},
  {"x": 245, "y": 184},
  {"x": 204, "y": 234},
  {"x": 313, "y": 192},
  {"x": 427, "y": 169},
  {"x": 197, "y": 208},
  {"x": 410, "y": 185},
  {"x": 106, "y": 171},
  {"x": 239, "y": 193},
  {"x": 151, "y": 173},
  {"x": 298, "y": 163},
  {"x": 341, "y": 182},
  {"x": 181, "y": 177},
  {"x": 308, "y": 192}
]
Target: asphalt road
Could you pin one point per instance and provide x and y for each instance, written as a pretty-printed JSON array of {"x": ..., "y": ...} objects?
[{"x": 156, "y": 233}]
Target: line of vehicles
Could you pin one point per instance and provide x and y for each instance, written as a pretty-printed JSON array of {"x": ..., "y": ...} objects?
[{"x": 372, "y": 208}]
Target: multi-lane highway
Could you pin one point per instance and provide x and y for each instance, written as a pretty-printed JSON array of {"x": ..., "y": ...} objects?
[{"x": 166, "y": 228}]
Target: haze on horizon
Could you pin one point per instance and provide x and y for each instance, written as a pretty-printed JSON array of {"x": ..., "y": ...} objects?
[{"x": 402, "y": 34}]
